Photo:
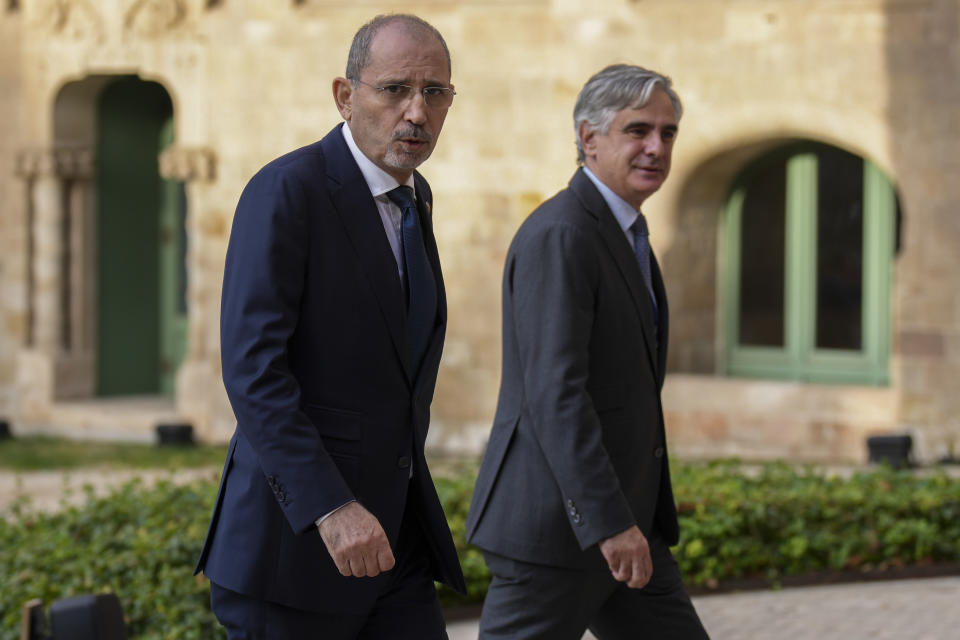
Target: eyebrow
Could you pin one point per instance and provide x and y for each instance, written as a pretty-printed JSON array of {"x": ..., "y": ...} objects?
[
  {"x": 409, "y": 83},
  {"x": 673, "y": 128}
]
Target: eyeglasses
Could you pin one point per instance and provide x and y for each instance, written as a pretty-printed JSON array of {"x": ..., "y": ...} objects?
[{"x": 398, "y": 94}]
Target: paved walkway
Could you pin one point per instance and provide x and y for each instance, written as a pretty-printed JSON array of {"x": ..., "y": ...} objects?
[
  {"x": 48, "y": 489},
  {"x": 921, "y": 609}
]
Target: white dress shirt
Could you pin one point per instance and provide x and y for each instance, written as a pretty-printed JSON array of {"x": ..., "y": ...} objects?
[
  {"x": 622, "y": 210},
  {"x": 380, "y": 182}
]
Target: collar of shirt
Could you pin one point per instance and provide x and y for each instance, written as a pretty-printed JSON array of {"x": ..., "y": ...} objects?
[
  {"x": 378, "y": 180},
  {"x": 625, "y": 214}
]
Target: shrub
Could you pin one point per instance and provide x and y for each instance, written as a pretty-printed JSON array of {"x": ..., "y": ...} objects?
[
  {"x": 141, "y": 543},
  {"x": 786, "y": 521},
  {"x": 138, "y": 543},
  {"x": 455, "y": 491}
]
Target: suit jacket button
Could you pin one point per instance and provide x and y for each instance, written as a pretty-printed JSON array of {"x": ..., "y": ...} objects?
[
  {"x": 658, "y": 453},
  {"x": 281, "y": 496},
  {"x": 577, "y": 518},
  {"x": 403, "y": 462},
  {"x": 570, "y": 503}
]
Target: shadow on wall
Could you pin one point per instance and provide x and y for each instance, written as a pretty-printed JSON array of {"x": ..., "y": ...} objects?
[{"x": 692, "y": 259}]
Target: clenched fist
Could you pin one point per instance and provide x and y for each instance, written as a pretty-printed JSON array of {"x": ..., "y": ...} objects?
[
  {"x": 356, "y": 542},
  {"x": 628, "y": 556}
]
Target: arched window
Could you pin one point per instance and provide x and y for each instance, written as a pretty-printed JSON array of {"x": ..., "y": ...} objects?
[{"x": 808, "y": 256}]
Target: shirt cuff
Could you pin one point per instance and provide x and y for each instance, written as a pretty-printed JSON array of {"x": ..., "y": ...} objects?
[{"x": 327, "y": 515}]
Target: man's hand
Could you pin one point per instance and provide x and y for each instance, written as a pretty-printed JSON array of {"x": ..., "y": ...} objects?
[
  {"x": 628, "y": 556},
  {"x": 356, "y": 542}
]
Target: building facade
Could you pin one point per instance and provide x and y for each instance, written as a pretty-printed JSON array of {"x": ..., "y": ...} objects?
[{"x": 808, "y": 232}]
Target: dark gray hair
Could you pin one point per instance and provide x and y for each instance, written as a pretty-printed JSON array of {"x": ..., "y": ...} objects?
[
  {"x": 359, "y": 56},
  {"x": 613, "y": 89}
]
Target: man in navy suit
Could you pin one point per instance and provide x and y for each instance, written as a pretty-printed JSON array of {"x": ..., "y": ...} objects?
[
  {"x": 573, "y": 505},
  {"x": 327, "y": 523}
]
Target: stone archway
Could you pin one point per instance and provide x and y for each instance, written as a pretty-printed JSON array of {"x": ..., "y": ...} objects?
[{"x": 76, "y": 197}]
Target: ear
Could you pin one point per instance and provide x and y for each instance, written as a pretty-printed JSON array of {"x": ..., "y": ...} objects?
[
  {"x": 588, "y": 139},
  {"x": 343, "y": 96}
]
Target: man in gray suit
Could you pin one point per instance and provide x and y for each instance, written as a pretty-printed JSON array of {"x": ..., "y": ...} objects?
[{"x": 573, "y": 506}]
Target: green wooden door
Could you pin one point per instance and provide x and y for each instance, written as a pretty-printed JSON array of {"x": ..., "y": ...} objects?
[{"x": 134, "y": 205}]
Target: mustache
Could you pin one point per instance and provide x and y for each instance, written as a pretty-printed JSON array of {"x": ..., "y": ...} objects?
[{"x": 414, "y": 132}]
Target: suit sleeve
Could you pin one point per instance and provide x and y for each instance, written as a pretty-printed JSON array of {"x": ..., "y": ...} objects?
[
  {"x": 264, "y": 280},
  {"x": 552, "y": 281}
]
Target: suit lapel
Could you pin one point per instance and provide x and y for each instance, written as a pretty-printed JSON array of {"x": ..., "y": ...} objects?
[
  {"x": 619, "y": 248},
  {"x": 361, "y": 219}
]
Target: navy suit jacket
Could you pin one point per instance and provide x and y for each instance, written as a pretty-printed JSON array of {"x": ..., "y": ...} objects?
[
  {"x": 577, "y": 452},
  {"x": 328, "y": 410}
]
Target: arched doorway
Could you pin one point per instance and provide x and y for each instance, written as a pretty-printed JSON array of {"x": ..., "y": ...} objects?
[{"x": 141, "y": 243}]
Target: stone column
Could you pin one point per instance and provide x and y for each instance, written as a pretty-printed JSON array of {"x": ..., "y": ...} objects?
[
  {"x": 199, "y": 392},
  {"x": 76, "y": 172},
  {"x": 194, "y": 166},
  {"x": 46, "y": 209},
  {"x": 57, "y": 360},
  {"x": 75, "y": 369}
]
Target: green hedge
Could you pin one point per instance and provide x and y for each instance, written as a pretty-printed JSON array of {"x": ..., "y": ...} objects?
[
  {"x": 139, "y": 543},
  {"x": 781, "y": 520},
  {"x": 142, "y": 543}
]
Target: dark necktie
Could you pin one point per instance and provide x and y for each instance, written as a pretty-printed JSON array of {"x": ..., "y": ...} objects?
[
  {"x": 421, "y": 286},
  {"x": 641, "y": 248}
]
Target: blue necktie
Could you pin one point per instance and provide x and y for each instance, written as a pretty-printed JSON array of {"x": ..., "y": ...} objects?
[
  {"x": 641, "y": 248},
  {"x": 421, "y": 286}
]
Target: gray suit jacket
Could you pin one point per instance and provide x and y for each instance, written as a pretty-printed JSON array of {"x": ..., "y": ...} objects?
[{"x": 577, "y": 452}]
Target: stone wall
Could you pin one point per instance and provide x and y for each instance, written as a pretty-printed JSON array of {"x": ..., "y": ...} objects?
[
  {"x": 251, "y": 80},
  {"x": 12, "y": 238},
  {"x": 923, "y": 58}
]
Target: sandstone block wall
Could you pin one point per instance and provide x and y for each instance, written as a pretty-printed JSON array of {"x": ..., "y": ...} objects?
[{"x": 251, "y": 80}]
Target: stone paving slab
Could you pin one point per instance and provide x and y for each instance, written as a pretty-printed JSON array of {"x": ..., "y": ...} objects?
[{"x": 920, "y": 609}]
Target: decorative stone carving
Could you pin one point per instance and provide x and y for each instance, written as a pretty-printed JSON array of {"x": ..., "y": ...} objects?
[
  {"x": 71, "y": 164},
  {"x": 31, "y": 163},
  {"x": 152, "y": 18},
  {"x": 75, "y": 18},
  {"x": 188, "y": 163},
  {"x": 75, "y": 164}
]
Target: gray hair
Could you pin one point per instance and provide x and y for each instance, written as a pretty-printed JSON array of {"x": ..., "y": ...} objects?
[
  {"x": 613, "y": 89},
  {"x": 359, "y": 56}
]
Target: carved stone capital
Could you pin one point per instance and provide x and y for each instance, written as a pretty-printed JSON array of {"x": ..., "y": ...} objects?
[
  {"x": 188, "y": 163},
  {"x": 69, "y": 164},
  {"x": 152, "y": 18},
  {"x": 73, "y": 18},
  {"x": 34, "y": 163},
  {"x": 75, "y": 164}
]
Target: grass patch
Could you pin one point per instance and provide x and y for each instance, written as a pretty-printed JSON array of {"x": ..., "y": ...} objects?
[{"x": 38, "y": 453}]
